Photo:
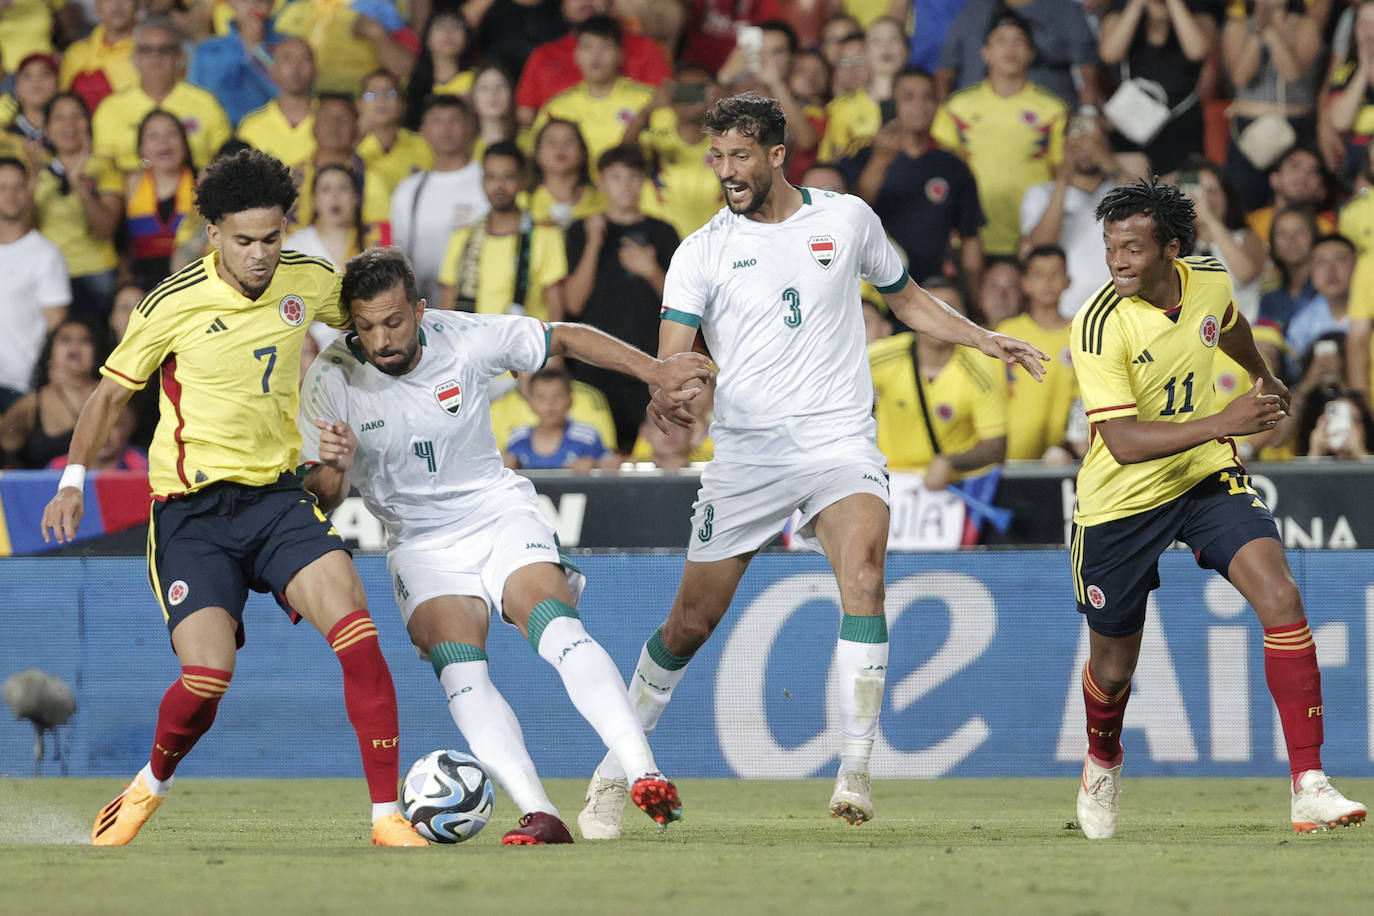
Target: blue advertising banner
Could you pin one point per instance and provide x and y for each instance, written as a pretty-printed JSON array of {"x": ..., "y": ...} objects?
[{"x": 984, "y": 675}]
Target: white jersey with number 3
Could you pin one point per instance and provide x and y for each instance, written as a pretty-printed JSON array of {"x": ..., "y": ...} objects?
[
  {"x": 779, "y": 306},
  {"x": 427, "y": 460}
]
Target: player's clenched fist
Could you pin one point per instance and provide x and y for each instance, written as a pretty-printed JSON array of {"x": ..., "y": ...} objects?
[
  {"x": 680, "y": 370},
  {"x": 337, "y": 444},
  {"x": 62, "y": 515}
]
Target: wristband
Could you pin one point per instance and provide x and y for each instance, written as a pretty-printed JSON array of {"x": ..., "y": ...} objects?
[{"x": 73, "y": 475}]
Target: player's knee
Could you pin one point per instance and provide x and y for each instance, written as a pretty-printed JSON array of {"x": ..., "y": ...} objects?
[
  {"x": 687, "y": 633},
  {"x": 1279, "y": 602},
  {"x": 863, "y": 585}
]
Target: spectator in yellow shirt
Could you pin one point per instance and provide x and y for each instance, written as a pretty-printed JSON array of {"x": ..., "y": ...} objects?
[
  {"x": 349, "y": 43},
  {"x": 852, "y": 119},
  {"x": 604, "y": 103},
  {"x": 102, "y": 63},
  {"x": 35, "y": 84},
  {"x": 441, "y": 67},
  {"x": 504, "y": 264},
  {"x": 682, "y": 190},
  {"x": 1038, "y": 413},
  {"x": 390, "y": 151},
  {"x": 285, "y": 126},
  {"x": 336, "y": 132},
  {"x": 79, "y": 202},
  {"x": 563, "y": 190},
  {"x": 26, "y": 27},
  {"x": 941, "y": 409},
  {"x": 1009, "y": 130},
  {"x": 160, "y": 62}
]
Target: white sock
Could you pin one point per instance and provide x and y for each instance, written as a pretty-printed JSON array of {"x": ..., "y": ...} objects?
[
  {"x": 157, "y": 786},
  {"x": 862, "y": 672},
  {"x": 594, "y": 686},
  {"x": 493, "y": 733},
  {"x": 382, "y": 810},
  {"x": 651, "y": 687}
]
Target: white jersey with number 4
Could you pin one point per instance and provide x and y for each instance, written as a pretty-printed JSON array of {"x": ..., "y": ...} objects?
[
  {"x": 779, "y": 306},
  {"x": 427, "y": 460}
]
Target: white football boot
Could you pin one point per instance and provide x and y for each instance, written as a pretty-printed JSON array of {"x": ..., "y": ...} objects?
[
  {"x": 1099, "y": 800},
  {"x": 604, "y": 810},
  {"x": 1318, "y": 806},
  {"x": 853, "y": 798}
]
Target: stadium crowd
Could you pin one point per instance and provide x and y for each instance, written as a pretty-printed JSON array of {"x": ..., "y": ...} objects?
[{"x": 545, "y": 158}]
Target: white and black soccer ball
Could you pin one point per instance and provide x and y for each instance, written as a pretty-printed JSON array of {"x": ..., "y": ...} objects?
[{"x": 448, "y": 796}]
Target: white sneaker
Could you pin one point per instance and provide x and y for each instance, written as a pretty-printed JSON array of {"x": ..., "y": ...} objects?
[
  {"x": 1099, "y": 800},
  {"x": 1318, "y": 806},
  {"x": 853, "y": 798},
  {"x": 604, "y": 811}
]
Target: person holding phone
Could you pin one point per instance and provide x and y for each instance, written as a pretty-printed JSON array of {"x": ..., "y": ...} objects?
[{"x": 683, "y": 192}]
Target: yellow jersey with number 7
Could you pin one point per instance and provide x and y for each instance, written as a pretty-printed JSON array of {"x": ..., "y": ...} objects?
[{"x": 229, "y": 368}]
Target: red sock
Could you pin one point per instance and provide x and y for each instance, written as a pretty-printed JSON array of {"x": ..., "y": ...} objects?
[
  {"x": 1105, "y": 715},
  {"x": 370, "y": 698},
  {"x": 187, "y": 712},
  {"x": 1295, "y": 682}
]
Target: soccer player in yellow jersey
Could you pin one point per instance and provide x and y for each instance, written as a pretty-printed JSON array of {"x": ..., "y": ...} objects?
[
  {"x": 229, "y": 513},
  {"x": 1161, "y": 467},
  {"x": 1038, "y": 415}
]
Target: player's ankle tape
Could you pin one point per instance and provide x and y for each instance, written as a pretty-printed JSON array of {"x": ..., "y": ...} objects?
[{"x": 452, "y": 653}]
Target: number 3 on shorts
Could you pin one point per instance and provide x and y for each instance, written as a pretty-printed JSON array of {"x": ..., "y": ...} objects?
[{"x": 704, "y": 532}]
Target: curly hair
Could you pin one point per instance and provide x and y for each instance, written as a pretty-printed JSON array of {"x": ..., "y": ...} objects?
[
  {"x": 751, "y": 115},
  {"x": 1172, "y": 211},
  {"x": 248, "y": 180}
]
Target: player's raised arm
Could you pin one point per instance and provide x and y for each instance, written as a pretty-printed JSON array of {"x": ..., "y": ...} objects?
[
  {"x": 62, "y": 515},
  {"x": 589, "y": 345},
  {"x": 924, "y": 313}
]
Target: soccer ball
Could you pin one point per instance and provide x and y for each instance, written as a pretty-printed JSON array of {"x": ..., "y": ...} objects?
[{"x": 448, "y": 796}]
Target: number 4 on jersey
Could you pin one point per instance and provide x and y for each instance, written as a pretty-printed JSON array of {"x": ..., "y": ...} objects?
[{"x": 424, "y": 450}]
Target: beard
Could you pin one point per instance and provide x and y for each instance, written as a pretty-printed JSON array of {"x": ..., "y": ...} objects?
[
  {"x": 399, "y": 367},
  {"x": 758, "y": 193}
]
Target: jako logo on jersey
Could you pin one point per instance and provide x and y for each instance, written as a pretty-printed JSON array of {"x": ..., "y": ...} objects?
[
  {"x": 937, "y": 190},
  {"x": 372, "y": 424},
  {"x": 822, "y": 249},
  {"x": 450, "y": 396},
  {"x": 1210, "y": 330},
  {"x": 749, "y": 263},
  {"x": 177, "y": 592},
  {"x": 292, "y": 310},
  {"x": 1096, "y": 598}
]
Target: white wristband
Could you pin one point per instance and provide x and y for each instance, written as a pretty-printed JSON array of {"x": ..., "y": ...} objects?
[{"x": 73, "y": 475}]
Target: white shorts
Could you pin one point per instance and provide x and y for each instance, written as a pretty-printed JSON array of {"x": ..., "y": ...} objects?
[
  {"x": 741, "y": 507},
  {"x": 477, "y": 561}
]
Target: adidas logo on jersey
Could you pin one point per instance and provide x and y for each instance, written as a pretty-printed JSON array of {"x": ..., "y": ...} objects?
[
  {"x": 1144, "y": 357},
  {"x": 217, "y": 325}
]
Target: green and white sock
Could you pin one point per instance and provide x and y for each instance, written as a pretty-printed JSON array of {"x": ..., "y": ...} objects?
[
  {"x": 655, "y": 677},
  {"x": 861, "y": 669}
]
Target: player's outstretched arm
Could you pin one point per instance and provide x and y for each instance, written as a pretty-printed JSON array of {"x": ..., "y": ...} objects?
[
  {"x": 328, "y": 480},
  {"x": 1131, "y": 440},
  {"x": 928, "y": 315},
  {"x": 1238, "y": 343},
  {"x": 680, "y": 372},
  {"x": 62, "y": 515}
]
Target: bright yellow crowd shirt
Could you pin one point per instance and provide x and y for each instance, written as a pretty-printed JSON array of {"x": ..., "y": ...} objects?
[
  {"x": 115, "y": 125},
  {"x": 602, "y": 121},
  {"x": 267, "y": 129},
  {"x": 1038, "y": 412}
]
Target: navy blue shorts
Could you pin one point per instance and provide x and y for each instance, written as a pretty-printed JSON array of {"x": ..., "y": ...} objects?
[
  {"x": 1116, "y": 563},
  {"x": 208, "y": 548}
]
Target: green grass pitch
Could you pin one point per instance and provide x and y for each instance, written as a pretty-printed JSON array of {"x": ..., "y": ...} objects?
[{"x": 1001, "y": 846}]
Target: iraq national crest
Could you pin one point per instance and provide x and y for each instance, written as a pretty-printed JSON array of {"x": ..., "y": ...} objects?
[
  {"x": 822, "y": 248},
  {"x": 450, "y": 396}
]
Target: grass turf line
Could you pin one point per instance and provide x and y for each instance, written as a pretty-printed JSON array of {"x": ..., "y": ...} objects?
[{"x": 940, "y": 846}]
